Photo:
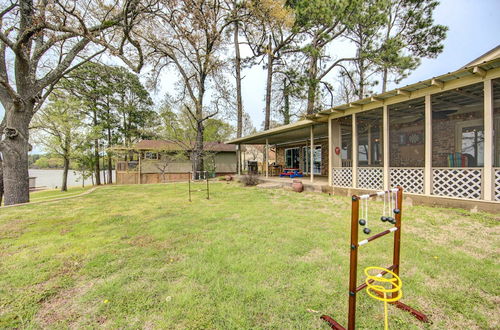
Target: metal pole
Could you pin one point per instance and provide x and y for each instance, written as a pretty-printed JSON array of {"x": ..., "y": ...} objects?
[
  {"x": 208, "y": 187},
  {"x": 353, "y": 262},
  {"x": 189, "y": 185}
]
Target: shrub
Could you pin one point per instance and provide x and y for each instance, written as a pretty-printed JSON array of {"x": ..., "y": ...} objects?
[{"x": 250, "y": 179}]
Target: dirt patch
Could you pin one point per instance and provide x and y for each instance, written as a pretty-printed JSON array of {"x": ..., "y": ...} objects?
[
  {"x": 14, "y": 228},
  {"x": 62, "y": 306},
  {"x": 457, "y": 234},
  {"x": 142, "y": 241}
]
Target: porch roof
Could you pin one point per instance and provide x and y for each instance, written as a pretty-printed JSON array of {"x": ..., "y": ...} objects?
[
  {"x": 300, "y": 130},
  {"x": 296, "y": 132},
  {"x": 475, "y": 69}
]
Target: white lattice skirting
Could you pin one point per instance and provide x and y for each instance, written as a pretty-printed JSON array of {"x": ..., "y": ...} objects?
[
  {"x": 457, "y": 182},
  {"x": 370, "y": 178},
  {"x": 497, "y": 184},
  {"x": 411, "y": 179},
  {"x": 342, "y": 177}
]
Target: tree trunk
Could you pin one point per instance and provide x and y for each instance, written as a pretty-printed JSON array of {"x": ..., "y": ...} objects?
[
  {"x": 313, "y": 84},
  {"x": 385, "y": 75},
  {"x": 269, "y": 86},
  {"x": 286, "y": 109},
  {"x": 361, "y": 86},
  {"x": 97, "y": 168},
  {"x": 15, "y": 148},
  {"x": 1, "y": 179},
  {"x": 64, "y": 186},
  {"x": 198, "y": 149},
  {"x": 110, "y": 170},
  {"x": 239, "y": 102}
]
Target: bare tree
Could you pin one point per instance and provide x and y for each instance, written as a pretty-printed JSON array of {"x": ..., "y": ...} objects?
[
  {"x": 189, "y": 36},
  {"x": 40, "y": 42}
]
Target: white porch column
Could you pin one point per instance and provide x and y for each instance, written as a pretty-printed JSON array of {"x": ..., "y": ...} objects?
[
  {"x": 354, "y": 152},
  {"x": 369, "y": 151},
  {"x": 266, "y": 156},
  {"x": 385, "y": 147},
  {"x": 488, "y": 194},
  {"x": 330, "y": 151},
  {"x": 428, "y": 146},
  {"x": 238, "y": 160},
  {"x": 311, "y": 162}
]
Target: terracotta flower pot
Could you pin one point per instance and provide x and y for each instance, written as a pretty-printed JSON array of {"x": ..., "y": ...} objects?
[{"x": 297, "y": 186}]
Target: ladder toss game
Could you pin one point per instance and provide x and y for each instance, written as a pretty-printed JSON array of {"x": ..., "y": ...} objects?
[{"x": 392, "y": 212}]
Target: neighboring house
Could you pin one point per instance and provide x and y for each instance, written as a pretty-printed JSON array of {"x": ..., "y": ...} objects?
[
  {"x": 155, "y": 161},
  {"x": 435, "y": 138}
]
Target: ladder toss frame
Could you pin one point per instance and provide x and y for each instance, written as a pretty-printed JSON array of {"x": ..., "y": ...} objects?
[{"x": 356, "y": 244}]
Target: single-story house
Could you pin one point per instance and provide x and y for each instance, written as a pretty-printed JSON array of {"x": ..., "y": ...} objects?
[
  {"x": 156, "y": 161},
  {"x": 435, "y": 138}
]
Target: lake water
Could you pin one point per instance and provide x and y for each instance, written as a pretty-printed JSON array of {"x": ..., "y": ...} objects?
[{"x": 53, "y": 178}]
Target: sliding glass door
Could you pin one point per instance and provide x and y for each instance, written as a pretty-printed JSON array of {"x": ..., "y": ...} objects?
[
  {"x": 292, "y": 158},
  {"x": 316, "y": 163}
]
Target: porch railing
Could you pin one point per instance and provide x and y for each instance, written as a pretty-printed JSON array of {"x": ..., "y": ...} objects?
[
  {"x": 371, "y": 178},
  {"x": 457, "y": 182},
  {"x": 342, "y": 177},
  {"x": 124, "y": 166},
  {"x": 410, "y": 178}
]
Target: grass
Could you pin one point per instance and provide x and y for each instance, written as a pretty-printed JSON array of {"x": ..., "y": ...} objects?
[
  {"x": 48, "y": 194},
  {"x": 143, "y": 257}
]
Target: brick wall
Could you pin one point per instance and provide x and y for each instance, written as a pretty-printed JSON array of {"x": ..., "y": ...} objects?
[{"x": 444, "y": 136}]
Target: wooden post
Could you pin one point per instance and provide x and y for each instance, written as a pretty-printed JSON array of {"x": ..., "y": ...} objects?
[
  {"x": 266, "y": 156},
  {"x": 397, "y": 235},
  {"x": 311, "y": 161},
  {"x": 488, "y": 176},
  {"x": 354, "y": 152},
  {"x": 330, "y": 151},
  {"x": 386, "y": 148},
  {"x": 140, "y": 169},
  {"x": 353, "y": 268},
  {"x": 428, "y": 146}
]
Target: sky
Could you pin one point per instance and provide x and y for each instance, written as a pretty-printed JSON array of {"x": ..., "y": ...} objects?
[{"x": 474, "y": 28}]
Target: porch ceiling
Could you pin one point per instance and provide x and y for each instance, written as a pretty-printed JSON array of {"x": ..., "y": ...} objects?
[{"x": 299, "y": 131}]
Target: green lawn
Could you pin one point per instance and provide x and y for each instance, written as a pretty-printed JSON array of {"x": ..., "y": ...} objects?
[
  {"x": 48, "y": 194},
  {"x": 144, "y": 257}
]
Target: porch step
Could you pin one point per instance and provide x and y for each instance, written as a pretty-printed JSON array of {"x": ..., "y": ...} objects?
[{"x": 269, "y": 185}]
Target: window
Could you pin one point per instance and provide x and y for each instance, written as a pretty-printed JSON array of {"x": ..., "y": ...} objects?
[
  {"x": 470, "y": 144},
  {"x": 151, "y": 155},
  {"x": 292, "y": 158}
]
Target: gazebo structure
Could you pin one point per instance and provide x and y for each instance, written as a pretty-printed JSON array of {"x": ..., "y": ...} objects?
[{"x": 435, "y": 138}]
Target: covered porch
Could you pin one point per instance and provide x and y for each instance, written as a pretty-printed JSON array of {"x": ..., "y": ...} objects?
[
  {"x": 436, "y": 138},
  {"x": 302, "y": 146}
]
